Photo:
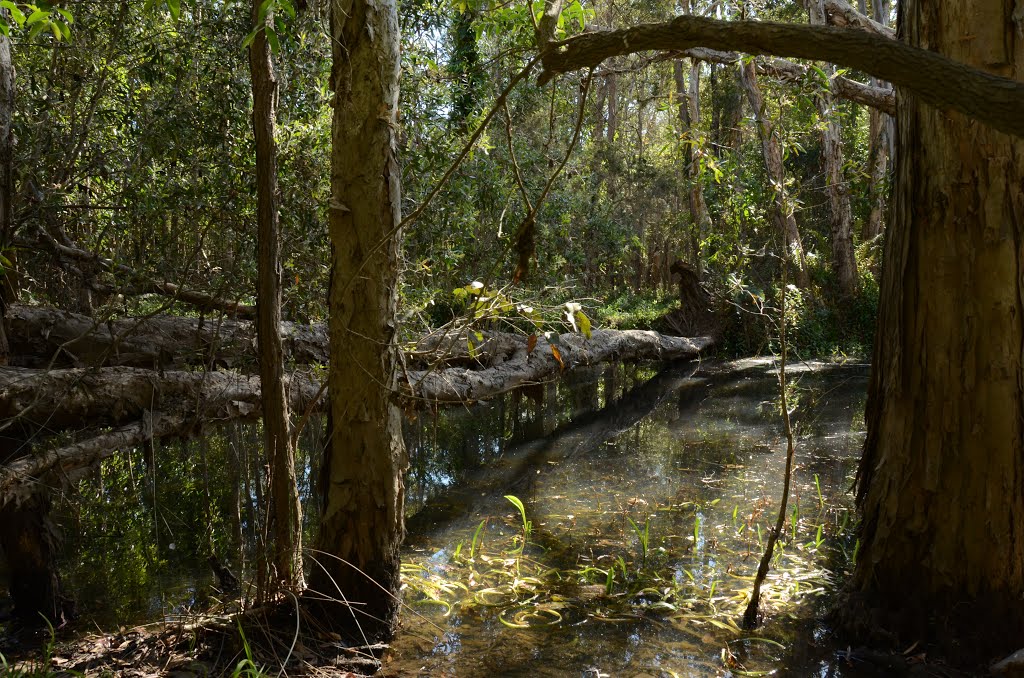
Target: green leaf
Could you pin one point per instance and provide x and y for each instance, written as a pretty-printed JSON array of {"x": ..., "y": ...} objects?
[
  {"x": 275, "y": 44},
  {"x": 584, "y": 322},
  {"x": 175, "y": 7},
  {"x": 36, "y": 30},
  {"x": 64, "y": 13},
  {"x": 63, "y": 29},
  {"x": 250, "y": 38},
  {"x": 264, "y": 9},
  {"x": 16, "y": 14}
]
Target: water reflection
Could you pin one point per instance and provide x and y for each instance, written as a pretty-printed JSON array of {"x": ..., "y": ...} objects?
[
  {"x": 648, "y": 493},
  {"x": 648, "y": 517}
]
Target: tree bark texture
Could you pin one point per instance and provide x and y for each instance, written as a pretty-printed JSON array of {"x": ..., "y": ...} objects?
[
  {"x": 782, "y": 211},
  {"x": 361, "y": 524},
  {"x": 286, "y": 512},
  {"x": 46, "y": 337},
  {"x": 840, "y": 216},
  {"x": 940, "y": 484},
  {"x": 935, "y": 79}
]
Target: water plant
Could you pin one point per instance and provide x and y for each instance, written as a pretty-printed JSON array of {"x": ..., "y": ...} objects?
[
  {"x": 817, "y": 486},
  {"x": 527, "y": 525},
  {"x": 475, "y": 544},
  {"x": 644, "y": 536}
]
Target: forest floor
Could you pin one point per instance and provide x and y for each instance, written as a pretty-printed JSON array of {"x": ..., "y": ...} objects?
[{"x": 211, "y": 647}]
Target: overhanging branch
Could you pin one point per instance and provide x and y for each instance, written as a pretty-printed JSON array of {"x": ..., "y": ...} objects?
[{"x": 933, "y": 78}]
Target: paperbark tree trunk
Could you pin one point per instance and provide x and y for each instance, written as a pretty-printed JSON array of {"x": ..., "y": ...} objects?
[
  {"x": 362, "y": 522},
  {"x": 782, "y": 210},
  {"x": 286, "y": 512},
  {"x": 942, "y": 537},
  {"x": 840, "y": 217}
]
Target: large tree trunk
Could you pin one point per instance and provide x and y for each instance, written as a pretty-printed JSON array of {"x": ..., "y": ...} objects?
[
  {"x": 782, "y": 209},
  {"x": 363, "y": 497},
  {"x": 942, "y": 538},
  {"x": 840, "y": 217},
  {"x": 286, "y": 514}
]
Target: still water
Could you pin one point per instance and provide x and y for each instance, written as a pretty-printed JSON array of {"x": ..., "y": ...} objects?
[
  {"x": 643, "y": 524},
  {"x": 646, "y": 496}
]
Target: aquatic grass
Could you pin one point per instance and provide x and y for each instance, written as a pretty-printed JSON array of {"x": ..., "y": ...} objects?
[
  {"x": 817, "y": 486},
  {"x": 644, "y": 536},
  {"x": 527, "y": 525},
  {"x": 476, "y": 543},
  {"x": 247, "y": 666}
]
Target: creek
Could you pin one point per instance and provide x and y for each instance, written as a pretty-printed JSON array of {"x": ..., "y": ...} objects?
[{"x": 646, "y": 494}]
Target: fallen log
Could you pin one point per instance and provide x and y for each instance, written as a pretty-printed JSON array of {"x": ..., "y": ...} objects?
[
  {"x": 78, "y": 398},
  {"x": 46, "y": 337},
  {"x": 143, "y": 404},
  {"x": 546, "y": 361}
]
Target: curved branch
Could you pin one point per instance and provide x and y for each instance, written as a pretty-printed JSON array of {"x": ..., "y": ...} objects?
[
  {"x": 881, "y": 98},
  {"x": 933, "y": 78}
]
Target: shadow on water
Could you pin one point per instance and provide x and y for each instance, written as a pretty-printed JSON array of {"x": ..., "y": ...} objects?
[
  {"x": 646, "y": 521},
  {"x": 646, "y": 494}
]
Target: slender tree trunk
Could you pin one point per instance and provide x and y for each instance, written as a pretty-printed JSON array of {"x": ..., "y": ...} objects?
[
  {"x": 8, "y": 280},
  {"x": 362, "y": 523},
  {"x": 882, "y": 132},
  {"x": 782, "y": 211},
  {"x": 286, "y": 512},
  {"x": 613, "y": 105},
  {"x": 689, "y": 118},
  {"x": 844, "y": 264},
  {"x": 942, "y": 537}
]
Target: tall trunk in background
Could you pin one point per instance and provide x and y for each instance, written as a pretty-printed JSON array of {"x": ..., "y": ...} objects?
[
  {"x": 285, "y": 511},
  {"x": 940, "y": 490},
  {"x": 840, "y": 217},
  {"x": 8, "y": 282},
  {"x": 782, "y": 212},
  {"x": 689, "y": 118},
  {"x": 881, "y": 129},
  {"x": 613, "y": 105},
  {"x": 363, "y": 495},
  {"x": 465, "y": 69}
]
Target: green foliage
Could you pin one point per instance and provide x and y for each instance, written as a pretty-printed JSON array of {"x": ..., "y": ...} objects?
[{"x": 36, "y": 18}]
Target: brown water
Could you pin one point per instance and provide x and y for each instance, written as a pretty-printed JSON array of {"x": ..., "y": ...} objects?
[{"x": 691, "y": 459}]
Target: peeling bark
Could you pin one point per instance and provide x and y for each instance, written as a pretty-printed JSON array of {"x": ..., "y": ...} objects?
[
  {"x": 940, "y": 484},
  {"x": 42, "y": 337},
  {"x": 362, "y": 489}
]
